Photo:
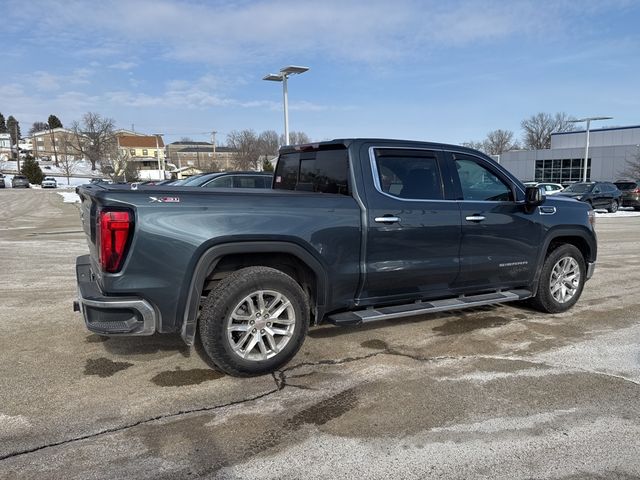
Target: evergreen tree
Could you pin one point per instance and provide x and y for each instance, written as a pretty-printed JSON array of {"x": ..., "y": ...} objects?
[
  {"x": 267, "y": 166},
  {"x": 54, "y": 122},
  {"x": 31, "y": 170},
  {"x": 13, "y": 126},
  {"x": 3, "y": 125}
]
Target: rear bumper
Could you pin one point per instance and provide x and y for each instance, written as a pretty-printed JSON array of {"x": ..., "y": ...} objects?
[
  {"x": 630, "y": 200},
  {"x": 111, "y": 315}
]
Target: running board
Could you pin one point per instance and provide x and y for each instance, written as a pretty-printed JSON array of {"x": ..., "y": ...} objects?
[{"x": 419, "y": 308}]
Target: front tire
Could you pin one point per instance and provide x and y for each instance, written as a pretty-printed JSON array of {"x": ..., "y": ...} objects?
[
  {"x": 613, "y": 208},
  {"x": 561, "y": 281},
  {"x": 254, "y": 321}
]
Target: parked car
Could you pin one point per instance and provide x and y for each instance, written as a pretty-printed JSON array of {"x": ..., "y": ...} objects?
[
  {"x": 351, "y": 231},
  {"x": 630, "y": 193},
  {"x": 226, "y": 180},
  {"x": 2, "y": 185},
  {"x": 551, "y": 188},
  {"x": 20, "y": 181},
  {"x": 234, "y": 180},
  {"x": 98, "y": 180},
  {"x": 597, "y": 194},
  {"x": 49, "y": 182}
]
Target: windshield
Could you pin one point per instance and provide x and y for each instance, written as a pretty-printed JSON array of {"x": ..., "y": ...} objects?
[
  {"x": 191, "y": 180},
  {"x": 579, "y": 188},
  {"x": 626, "y": 185},
  {"x": 198, "y": 181}
]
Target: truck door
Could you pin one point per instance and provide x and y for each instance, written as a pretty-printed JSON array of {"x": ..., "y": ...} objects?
[
  {"x": 413, "y": 230},
  {"x": 500, "y": 241}
]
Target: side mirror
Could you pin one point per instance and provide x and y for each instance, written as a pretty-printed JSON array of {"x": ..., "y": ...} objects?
[{"x": 534, "y": 196}]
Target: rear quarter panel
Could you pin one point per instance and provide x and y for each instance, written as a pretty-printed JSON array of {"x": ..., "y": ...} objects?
[{"x": 169, "y": 238}]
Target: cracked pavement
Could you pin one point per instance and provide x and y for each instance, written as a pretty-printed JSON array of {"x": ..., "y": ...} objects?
[{"x": 494, "y": 392}]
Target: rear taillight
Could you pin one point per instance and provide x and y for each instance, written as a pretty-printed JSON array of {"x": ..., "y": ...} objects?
[
  {"x": 114, "y": 230},
  {"x": 637, "y": 190}
]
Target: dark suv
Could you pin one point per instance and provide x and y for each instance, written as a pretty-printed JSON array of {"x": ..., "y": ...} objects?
[
  {"x": 597, "y": 194},
  {"x": 1, "y": 181},
  {"x": 630, "y": 193}
]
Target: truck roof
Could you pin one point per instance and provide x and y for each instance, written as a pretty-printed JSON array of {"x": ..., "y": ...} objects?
[{"x": 346, "y": 142}]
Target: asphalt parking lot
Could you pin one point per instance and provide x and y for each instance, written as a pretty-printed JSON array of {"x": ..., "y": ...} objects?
[{"x": 498, "y": 392}]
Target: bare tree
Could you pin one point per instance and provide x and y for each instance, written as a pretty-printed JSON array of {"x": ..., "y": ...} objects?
[
  {"x": 269, "y": 143},
  {"x": 119, "y": 167},
  {"x": 498, "y": 142},
  {"x": 632, "y": 171},
  {"x": 247, "y": 147},
  {"x": 95, "y": 137},
  {"x": 38, "y": 127},
  {"x": 66, "y": 161},
  {"x": 296, "y": 138},
  {"x": 539, "y": 127},
  {"x": 185, "y": 139},
  {"x": 473, "y": 144},
  {"x": 68, "y": 165}
]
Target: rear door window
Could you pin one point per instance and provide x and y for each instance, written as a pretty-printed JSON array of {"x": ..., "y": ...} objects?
[{"x": 408, "y": 174}]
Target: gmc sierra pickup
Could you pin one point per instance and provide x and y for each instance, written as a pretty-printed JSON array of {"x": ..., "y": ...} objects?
[{"x": 352, "y": 231}]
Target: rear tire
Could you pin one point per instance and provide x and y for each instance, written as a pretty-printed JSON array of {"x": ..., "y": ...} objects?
[
  {"x": 254, "y": 321},
  {"x": 613, "y": 208},
  {"x": 561, "y": 281}
]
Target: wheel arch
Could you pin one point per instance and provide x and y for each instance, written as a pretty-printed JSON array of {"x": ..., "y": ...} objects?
[
  {"x": 252, "y": 253},
  {"x": 580, "y": 237}
]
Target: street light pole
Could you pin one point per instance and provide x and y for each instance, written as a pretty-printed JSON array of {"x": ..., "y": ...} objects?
[
  {"x": 586, "y": 153},
  {"x": 160, "y": 170},
  {"x": 586, "y": 148},
  {"x": 285, "y": 102},
  {"x": 213, "y": 143},
  {"x": 283, "y": 76}
]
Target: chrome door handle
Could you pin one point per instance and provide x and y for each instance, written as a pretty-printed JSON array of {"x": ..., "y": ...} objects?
[
  {"x": 387, "y": 219},
  {"x": 475, "y": 218}
]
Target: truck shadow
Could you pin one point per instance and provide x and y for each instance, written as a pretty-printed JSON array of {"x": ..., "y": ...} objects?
[
  {"x": 154, "y": 346},
  {"x": 457, "y": 321}
]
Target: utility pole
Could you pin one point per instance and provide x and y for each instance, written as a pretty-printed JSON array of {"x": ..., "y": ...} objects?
[
  {"x": 213, "y": 141},
  {"x": 15, "y": 133},
  {"x": 53, "y": 142},
  {"x": 160, "y": 169}
]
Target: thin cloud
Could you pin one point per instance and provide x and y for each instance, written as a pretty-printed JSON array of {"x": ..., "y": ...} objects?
[
  {"x": 123, "y": 65},
  {"x": 249, "y": 32}
]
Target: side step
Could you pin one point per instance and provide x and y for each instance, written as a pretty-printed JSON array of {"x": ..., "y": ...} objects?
[{"x": 418, "y": 308}]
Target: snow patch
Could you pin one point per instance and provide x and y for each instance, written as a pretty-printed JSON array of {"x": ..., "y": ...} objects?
[
  {"x": 622, "y": 212},
  {"x": 69, "y": 197}
]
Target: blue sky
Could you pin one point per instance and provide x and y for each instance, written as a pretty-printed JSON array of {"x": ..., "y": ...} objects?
[{"x": 430, "y": 70}]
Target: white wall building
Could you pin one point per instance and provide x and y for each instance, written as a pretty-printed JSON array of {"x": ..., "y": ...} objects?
[{"x": 610, "y": 150}]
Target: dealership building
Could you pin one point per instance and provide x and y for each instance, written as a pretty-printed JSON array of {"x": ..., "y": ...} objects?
[{"x": 609, "y": 151}]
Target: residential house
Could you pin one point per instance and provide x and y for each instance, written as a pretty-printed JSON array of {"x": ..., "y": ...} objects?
[
  {"x": 56, "y": 143},
  {"x": 174, "y": 147},
  {"x": 146, "y": 150},
  {"x": 203, "y": 158},
  {"x": 5, "y": 144}
]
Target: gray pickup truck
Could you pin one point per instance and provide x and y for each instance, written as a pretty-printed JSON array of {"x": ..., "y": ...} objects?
[{"x": 352, "y": 231}]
